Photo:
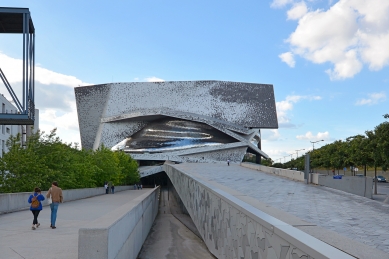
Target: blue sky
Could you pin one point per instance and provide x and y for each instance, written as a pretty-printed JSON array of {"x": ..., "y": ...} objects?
[{"x": 328, "y": 60}]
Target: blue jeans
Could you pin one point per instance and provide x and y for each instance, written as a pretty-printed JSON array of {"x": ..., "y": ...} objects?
[{"x": 54, "y": 209}]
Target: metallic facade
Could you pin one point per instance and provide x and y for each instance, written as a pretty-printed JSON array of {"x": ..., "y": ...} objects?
[{"x": 192, "y": 121}]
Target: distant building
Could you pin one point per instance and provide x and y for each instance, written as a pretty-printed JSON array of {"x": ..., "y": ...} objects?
[
  {"x": 181, "y": 121},
  {"x": 7, "y": 130}
]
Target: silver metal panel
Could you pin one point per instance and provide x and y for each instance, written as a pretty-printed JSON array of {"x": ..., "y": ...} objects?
[
  {"x": 249, "y": 105},
  {"x": 223, "y": 111}
]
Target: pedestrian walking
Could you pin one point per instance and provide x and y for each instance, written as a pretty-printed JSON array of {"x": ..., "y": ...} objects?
[
  {"x": 141, "y": 186},
  {"x": 113, "y": 188},
  {"x": 106, "y": 188},
  {"x": 56, "y": 196},
  {"x": 36, "y": 206},
  {"x": 228, "y": 162}
]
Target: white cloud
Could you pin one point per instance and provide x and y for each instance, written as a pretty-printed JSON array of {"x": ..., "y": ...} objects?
[
  {"x": 297, "y": 11},
  {"x": 283, "y": 107},
  {"x": 276, "y": 153},
  {"x": 66, "y": 123},
  {"x": 288, "y": 58},
  {"x": 376, "y": 52},
  {"x": 12, "y": 69},
  {"x": 154, "y": 79},
  {"x": 54, "y": 97},
  {"x": 270, "y": 134},
  {"x": 280, "y": 3},
  {"x": 319, "y": 136},
  {"x": 348, "y": 35},
  {"x": 373, "y": 98}
]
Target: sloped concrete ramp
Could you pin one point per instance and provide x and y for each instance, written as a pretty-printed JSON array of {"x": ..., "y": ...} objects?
[
  {"x": 18, "y": 241},
  {"x": 226, "y": 201}
]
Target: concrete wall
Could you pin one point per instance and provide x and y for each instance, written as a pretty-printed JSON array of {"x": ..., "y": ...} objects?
[
  {"x": 362, "y": 186},
  {"x": 10, "y": 202},
  {"x": 314, "y": 178},
  {"x": 232, "y": 228},
  {"x": 122, "y": 232},
  {"x": 291, "y": 174}
]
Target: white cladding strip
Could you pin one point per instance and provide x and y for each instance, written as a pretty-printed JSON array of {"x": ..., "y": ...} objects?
[
  {"x": 185, "y": 155},
  {"x": 243, "y": 140},
  {"x": 208, "y": 149}
]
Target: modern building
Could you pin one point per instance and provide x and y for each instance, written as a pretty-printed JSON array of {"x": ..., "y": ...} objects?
[
  {"x": 182, "y": 121},
  {"x": 7, "y": 130}
]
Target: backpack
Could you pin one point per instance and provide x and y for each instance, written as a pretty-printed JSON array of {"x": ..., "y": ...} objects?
[{"x": 35, "y": 202}]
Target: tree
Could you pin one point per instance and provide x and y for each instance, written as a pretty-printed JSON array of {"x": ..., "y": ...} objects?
[
  {"x": 45, "y": 158},
  {"x": 21, "y": 168},
  {"x": 107, "y": 164},
  {"x": 267, "y": 162},
  {"x": 382, "y": 133},
  {"x": 129, "y": 168},
  {"x": 359, "y": 151}
]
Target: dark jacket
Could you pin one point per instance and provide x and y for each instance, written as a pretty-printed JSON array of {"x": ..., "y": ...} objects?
[{"x": 40, "y": 198}]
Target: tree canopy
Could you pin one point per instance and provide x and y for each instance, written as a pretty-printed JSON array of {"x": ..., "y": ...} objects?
[
  {"x": 45, "y": 159},
  {"x": 369, "y": 149}
]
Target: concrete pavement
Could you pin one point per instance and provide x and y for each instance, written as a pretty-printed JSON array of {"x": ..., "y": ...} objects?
[
  {"x": 354, "y": 224},
  {"x": 18, "y": 241}
]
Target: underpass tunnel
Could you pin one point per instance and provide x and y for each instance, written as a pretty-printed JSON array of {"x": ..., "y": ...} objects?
[{"x": 155, "y": 180}]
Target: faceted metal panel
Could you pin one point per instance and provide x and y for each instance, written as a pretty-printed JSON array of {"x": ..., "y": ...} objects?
[
  {"x": 128, "y": 115},
  {"x": 90, "y": 107},
  {"x": 250, "y": 105}
]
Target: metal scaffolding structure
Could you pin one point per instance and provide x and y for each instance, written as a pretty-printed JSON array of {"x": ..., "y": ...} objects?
[{"x": 18, "y": 21}]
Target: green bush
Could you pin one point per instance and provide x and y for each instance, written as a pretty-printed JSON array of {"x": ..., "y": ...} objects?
[{"x": 45, "y": 158}]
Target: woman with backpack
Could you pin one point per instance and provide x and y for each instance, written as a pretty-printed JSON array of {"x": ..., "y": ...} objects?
[{"x": 36, "y": 206}]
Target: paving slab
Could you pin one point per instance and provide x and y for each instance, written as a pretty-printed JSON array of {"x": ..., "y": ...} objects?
[
  {"x": 354, "y": 224},
  {"x": 18, "y": 240}
]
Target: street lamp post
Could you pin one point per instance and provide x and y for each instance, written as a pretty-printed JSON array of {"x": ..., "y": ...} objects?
[
  {"x": 297, "y": 152},
  {"x": 313, "y": 147},
  {"x": 313, "y": 144},
  {"x": 284, "y": 158}
]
